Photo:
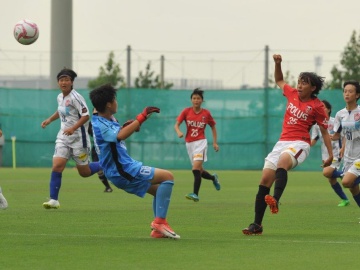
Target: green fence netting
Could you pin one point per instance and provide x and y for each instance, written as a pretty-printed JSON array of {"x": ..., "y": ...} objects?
[{"x": 248, "y": 125}]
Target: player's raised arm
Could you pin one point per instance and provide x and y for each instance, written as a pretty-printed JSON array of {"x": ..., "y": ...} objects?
[{"x": 278, "y": 75}]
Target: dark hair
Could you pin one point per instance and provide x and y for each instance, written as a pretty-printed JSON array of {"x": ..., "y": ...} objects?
[
  {"x": 198, "y": 91},
  {"x": 327, "y": 105},
  {"x": 355, "y": 84},
  {"x": 67, "y": 72},
  {"x": 101, "y": 96},
  {"x": 314, "y": 80}
]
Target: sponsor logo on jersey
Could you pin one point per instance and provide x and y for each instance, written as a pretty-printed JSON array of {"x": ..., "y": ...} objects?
[
  {"x": 67, "y": 102},
  {"x": 357, "y": 116},
  {"x": 197, "y": 124},
  {"x": 295, "y": 111},
  {"x": 308, "y": 109}
]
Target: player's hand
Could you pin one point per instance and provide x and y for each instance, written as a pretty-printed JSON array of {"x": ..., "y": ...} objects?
[
  {"x": 68, "y": 131},
  {"x": 128, "y": 122},
  {"x": 327, "y": 162},
  {"x": 146, "y": 113},
  {"x": 180, "y": 134},
  {"x": 277, "y": 58},
  {"x": 216, "y": 147},
  {"x": 45, "y": 123}
]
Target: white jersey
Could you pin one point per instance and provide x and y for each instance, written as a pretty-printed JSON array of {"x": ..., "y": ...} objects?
[
  {"x": 71, "y": 108},
  {"x": 336, "y": 145},
  {"x": 348, "y": 124}
]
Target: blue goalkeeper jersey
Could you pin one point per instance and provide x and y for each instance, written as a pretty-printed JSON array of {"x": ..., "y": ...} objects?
[{"x": 113, "y": 156}]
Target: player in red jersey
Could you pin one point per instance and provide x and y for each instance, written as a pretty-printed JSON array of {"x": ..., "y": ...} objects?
[
  {"x": 196, "y": 119},
  {"x": 303, "y": 110}
]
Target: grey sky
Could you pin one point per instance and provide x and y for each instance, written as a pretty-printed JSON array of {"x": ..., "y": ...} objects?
[{"x": 200, "y": 39}]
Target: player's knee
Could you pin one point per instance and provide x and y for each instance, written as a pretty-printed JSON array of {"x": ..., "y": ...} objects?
[{"x": 169, "y": 176}]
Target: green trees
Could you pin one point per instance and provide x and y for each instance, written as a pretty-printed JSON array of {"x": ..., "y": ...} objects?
[
  {"x": 350, "y": 64},
  {"x": 109, "y": 73},
  {"x": 146, "y": 80}
]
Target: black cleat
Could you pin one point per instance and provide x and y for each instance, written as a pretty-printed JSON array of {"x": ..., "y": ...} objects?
[{"x": 253, "y": 229}]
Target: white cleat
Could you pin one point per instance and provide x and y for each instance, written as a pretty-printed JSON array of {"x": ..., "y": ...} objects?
[
  {"x": 3, "y": 201},
  {"x": 52, "y": 204}
]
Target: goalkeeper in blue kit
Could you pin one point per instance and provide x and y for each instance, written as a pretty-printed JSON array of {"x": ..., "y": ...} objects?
[{"x": 119, "y": 168}]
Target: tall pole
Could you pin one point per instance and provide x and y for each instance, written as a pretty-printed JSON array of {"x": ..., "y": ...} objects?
[
  {"x": 61, "y": 38},
  {"x": 266, "y": 100},
  {"x": 266, "y": 80},
  {"x": 162, "y": 63},
  {"x": 128, "y": 66}
]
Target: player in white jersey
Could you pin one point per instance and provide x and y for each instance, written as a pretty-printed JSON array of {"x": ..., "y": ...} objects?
[
  {"x": 347, "y": 124},
  {"x": 333, "y": 171},
  {"x": 72, "y": 140},
  {"x": 3, "y": 201}
]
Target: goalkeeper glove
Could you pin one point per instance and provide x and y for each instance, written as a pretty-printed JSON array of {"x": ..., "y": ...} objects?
[{"x": 146, "y": 114}]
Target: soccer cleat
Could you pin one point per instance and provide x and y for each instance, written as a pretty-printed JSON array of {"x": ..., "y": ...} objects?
[
  {"x": 192, "y": 196},
  {"x": 253, "y": 229},
  {"x": 51, "y": 204},
  {"x": 108, "y": 189},
  {"x": 164, "y": 229},
  {"x": 216, "y": 182},
  {"x": 3, "y": 201},
  {"x": 344, "y": 203},
  {"x": 156, "y": 234},
  {"x": 272, "y": 203}
]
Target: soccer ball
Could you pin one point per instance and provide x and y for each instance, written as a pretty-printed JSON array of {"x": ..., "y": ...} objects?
[{"x": 26, "y": 32}]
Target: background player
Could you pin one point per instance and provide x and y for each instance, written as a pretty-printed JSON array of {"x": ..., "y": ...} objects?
[
  {"x": 196, "y": 118},
  {"x": 72, "y": 140},
  {"x": 347, "y": 123},
  {"x": 333, "y": 171},
  {"x": 3, "y": 201}
]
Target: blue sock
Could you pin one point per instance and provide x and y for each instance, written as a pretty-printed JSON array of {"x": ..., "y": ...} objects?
[
  {"x": 162, "y": 198},
  {"x": 94, "y": 167},
  {"x": 154, "y": 206},
  {"x": 55, "y": 184},
  {"x": 336, "y": 174},
  {"x": 339, "y": 191},
  {"x": 357, "y": 199}
]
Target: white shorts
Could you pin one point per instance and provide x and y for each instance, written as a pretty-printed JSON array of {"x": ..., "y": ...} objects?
[
  {"x": 352, "y": 167},
  {"x": 336, "y": 164},
  {"x": 79, "y": 155},
  {"x": 299, "y": 150},
  {"x": 197, "y": 150}
]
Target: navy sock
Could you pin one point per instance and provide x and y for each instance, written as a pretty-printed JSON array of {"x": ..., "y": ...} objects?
[
  {"x": 163, "y": 195},
  {"x": 94, "y": 167},
  {"x": 280, "y": 182},
  {"x": 55, "y": 184},
  {"x": 207, "y": 175},
  {"x": 357, "y": 199},
  {"x": 260, "y": 204},
  {"x": 197, "y": 181},
  {"x": 339, "y": 191},
  {"x": 336, "y": 174}
]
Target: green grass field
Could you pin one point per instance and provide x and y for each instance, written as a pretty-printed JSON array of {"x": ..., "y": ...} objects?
[{"x": 97, "y": 230}]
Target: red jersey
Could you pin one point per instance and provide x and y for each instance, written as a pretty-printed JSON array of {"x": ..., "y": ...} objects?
[
  {"x": 195, "y": 123},
  {"x": 301, "y": 116}
]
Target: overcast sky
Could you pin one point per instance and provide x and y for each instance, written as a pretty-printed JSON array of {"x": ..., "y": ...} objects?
[{"x": 200, "y": 39}]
